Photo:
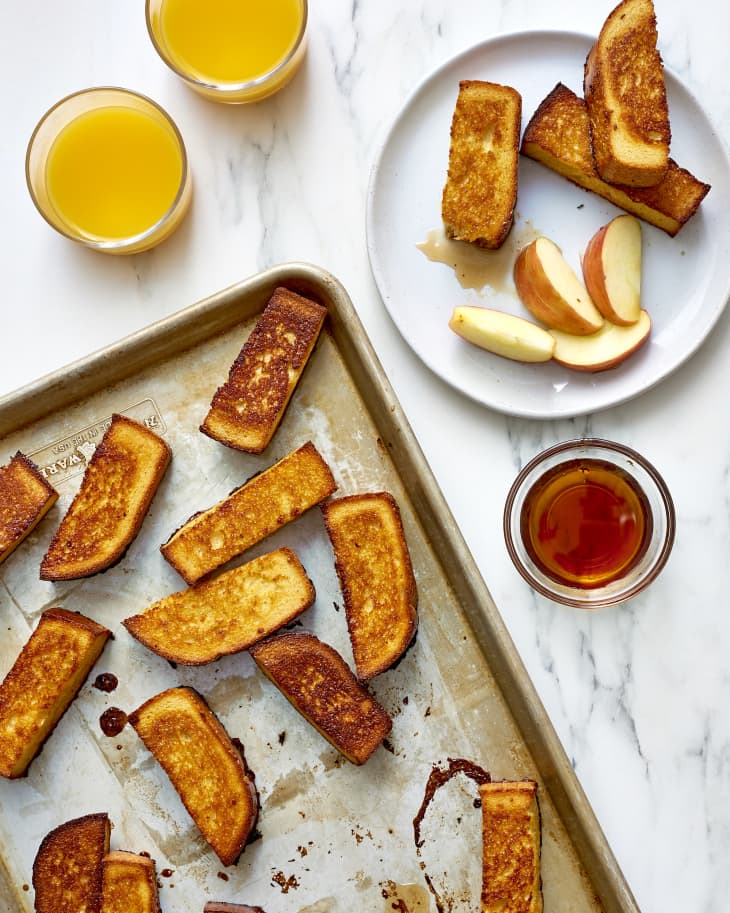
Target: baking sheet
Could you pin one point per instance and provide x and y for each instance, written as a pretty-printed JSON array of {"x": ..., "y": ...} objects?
[{"x": 334, "y": 838}]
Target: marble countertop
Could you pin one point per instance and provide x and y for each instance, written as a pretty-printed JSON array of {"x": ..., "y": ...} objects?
[{"x": 639, "y": 694}]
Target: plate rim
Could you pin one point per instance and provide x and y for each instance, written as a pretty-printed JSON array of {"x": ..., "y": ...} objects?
[{"x": 387, "y": 132}]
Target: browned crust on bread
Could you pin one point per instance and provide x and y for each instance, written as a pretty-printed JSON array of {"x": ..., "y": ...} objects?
[
  {"x": 479, "y": 196},
  {"x": 511, "y": 881},
  {"x": 111, "y": 504},
  {"x": 558, "y": 137},
  {"x": 320, "y": 685},
  {"x": 626, "y": 98},
  {"x": 208, "y": 771},
  {"x": 43, "y": 681},
  {"x": 227, "y": 614},
  {"x": 250, "y": 513},
  {"x": 247, "y": 408},
  {"x": 67, "y": 870},
  {"x": 129, "y": 884},
  {"x": 26, "y": 496},
  {"x": 376, "y": 576}
]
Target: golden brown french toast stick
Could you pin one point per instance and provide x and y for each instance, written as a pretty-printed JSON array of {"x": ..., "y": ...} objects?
[
  {"x": 376, "y": 577},
  {"x": 25, "y": 498},
  {"x": 479, "y": 196},
  {"x": 129, "y": 884},
  {"x": 67, "y": 871},
  {"x": 558, "y": 136},
  {"x": 227, "y": 614},
  {"x": 208, "y": 771},
  {"x": 249, "y": 514},
  {"x": 626, "y": 98},
  {"x": 511, "y": 881},
  {"x": 247, "y": 408},
  {"x": 320, "y": 685},
  {"x": 43, "y": 681},
  {"x": 111, "y": 504}
]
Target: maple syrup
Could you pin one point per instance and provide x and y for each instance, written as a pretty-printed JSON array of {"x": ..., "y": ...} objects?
[
  {"x": 106, "y": 681},
  {"x": 585, "y": 523},
  {"x": 112, "y": 721}
]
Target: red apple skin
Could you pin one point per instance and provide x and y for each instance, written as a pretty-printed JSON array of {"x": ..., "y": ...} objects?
[
  {"x": 612, "y": 362},
  {"x": 594, "y": 276},
  {"x": 540, "y": 298}
]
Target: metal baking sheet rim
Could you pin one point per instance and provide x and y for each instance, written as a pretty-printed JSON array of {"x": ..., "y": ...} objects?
[{"x": 221, "y": 311}]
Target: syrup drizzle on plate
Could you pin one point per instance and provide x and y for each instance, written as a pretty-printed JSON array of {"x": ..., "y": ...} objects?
[{"x": 475, "y": 267}]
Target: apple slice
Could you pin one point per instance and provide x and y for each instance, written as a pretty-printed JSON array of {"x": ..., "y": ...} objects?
[
  {"x": 552, "y": 292},
  {"x": 612, "y": 270},
  {"x": 502, "y": 333},
  {"x": 607, "y": 348}
]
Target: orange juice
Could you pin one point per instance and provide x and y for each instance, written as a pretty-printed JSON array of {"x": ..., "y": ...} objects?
[
  {"x": 224, "y": 44},
  {"x": 113, "y": 173}
]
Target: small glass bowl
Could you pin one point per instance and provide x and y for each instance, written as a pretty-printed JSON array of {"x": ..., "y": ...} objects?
[
  {"x": 661, "y": 523},
  {"x": 41, "y": 142},
  {"x": 236, "y": 93}
]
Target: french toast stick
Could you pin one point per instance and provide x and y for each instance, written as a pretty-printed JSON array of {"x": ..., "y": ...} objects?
[
  {"x": 25, "y": 498},
  {"x": 626, "y": 98},
  {"x": 129, "y": 884},
  {"x": 227, "y": 614},
  {"x": 558, "y": 136},
  {"x": 247, "y": 408},
  {"x": 376, "y": 576},
  {"x": 43, "y": 681},
  {"x": 67, "y": 870},
  {"x": 206, "y": 768},
  {"x": 110, "y": 506},
  {"x": 320, "y": 685},
  {"x": 478, "y": 200},
  {"x": 511, "y": 881},
  {"x": 250, "y": 513}
]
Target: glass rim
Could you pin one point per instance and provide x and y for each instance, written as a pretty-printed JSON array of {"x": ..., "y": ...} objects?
[
  {"x": 606, "y": 599},
  {"x": 131, "y": 240},
  {"x": 227, "y": 88}
]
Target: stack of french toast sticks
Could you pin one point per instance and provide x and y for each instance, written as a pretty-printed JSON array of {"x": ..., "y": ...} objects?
[{"x": 614, "y": 142}]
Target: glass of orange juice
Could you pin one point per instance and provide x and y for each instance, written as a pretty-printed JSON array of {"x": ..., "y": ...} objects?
[
  {"x": 107, "y": 167},
  {"x": 230, "y": 50}
]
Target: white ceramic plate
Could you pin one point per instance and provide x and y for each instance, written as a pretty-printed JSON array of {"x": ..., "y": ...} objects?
[{"x": 686, "y": 280}]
